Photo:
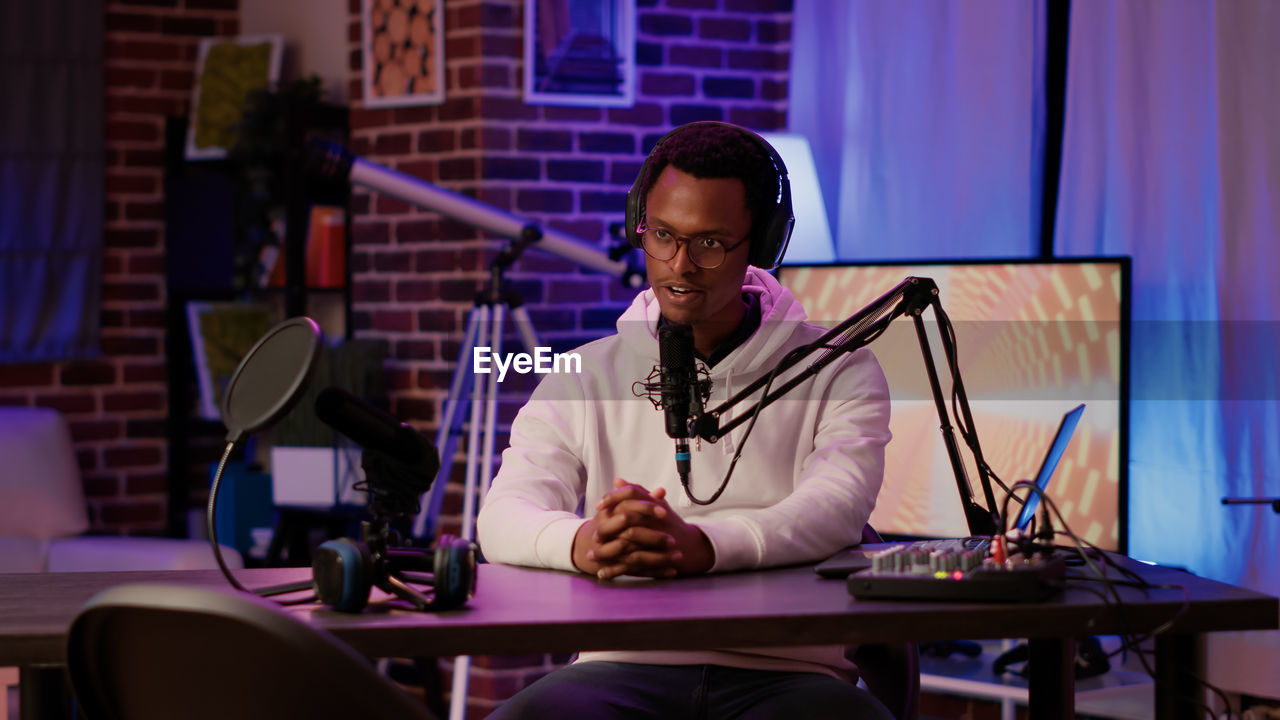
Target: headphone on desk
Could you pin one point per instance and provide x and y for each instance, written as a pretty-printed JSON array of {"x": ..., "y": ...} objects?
[
  {"x": 345, "y": 571},
  {"x": 778, "y": 222}
]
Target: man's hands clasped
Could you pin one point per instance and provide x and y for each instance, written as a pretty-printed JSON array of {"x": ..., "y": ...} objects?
[{"x": 635, "y": 532}]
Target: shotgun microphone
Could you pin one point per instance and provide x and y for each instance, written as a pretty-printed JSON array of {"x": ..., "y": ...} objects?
[
  {"x": 373, "y": 428},
  {"x": 399, "y": 462}
]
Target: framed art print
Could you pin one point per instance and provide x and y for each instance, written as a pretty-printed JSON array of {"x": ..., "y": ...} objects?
[
  {"x": 221, "y": 334},
  {"x": 228, "y": 69},
  {"x": 403, "y": 52},
  {"x": 579, "y": 52}
]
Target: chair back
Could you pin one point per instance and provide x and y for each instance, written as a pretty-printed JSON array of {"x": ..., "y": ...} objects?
[
  {"x": 891, "y": 671},
  {"x": 144, "y": 651}
]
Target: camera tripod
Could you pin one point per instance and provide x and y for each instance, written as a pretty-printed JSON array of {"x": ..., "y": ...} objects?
[{"x": 486, "y": 319}]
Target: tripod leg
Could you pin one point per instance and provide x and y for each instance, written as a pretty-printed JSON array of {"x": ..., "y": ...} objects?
[
  {"x": 478, "y": 389},
  {"x": 483, "y": 449},
  {"x": 446, "y": 441},
  {"x": 520, "y": 315},
  {"x": 450, "y": 426},
  {"x": 462, "y": 663},
  {"x": 458, "y": 692},
  {"x": 524, "y": 325},
  {"x": 490, "y": 414}
]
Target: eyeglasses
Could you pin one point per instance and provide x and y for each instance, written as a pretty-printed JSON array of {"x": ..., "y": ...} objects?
[{"x": 705, "y": 252}]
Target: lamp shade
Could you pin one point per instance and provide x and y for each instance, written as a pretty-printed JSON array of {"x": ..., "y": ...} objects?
[{"x": 811, "y": 239}]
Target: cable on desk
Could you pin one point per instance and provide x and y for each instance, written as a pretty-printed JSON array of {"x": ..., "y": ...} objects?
[{"x": 1109, "y": 593}]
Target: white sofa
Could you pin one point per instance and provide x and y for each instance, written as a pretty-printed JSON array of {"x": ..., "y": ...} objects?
[{"x": 43, "y": 514}]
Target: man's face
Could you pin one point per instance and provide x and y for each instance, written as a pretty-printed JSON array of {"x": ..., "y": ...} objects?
[{"x": 708, "y": 299}]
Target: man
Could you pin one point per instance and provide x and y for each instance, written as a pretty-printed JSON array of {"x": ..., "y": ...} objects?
[{"x": 710, "y": 197}]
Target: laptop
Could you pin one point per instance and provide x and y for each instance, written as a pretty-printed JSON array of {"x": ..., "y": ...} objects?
[{"x": 852, "y": 560}]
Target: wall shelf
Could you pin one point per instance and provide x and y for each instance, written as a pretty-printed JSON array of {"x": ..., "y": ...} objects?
[{"x": 205, "y": 228}]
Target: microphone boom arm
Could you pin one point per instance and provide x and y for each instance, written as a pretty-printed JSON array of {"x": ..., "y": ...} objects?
[{"x": 910, "y": 297}]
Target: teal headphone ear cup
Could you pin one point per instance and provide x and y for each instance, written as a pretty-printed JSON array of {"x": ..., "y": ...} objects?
[
  {"x": 342, "y": 574},
  {"x": 455, "y": 572}
]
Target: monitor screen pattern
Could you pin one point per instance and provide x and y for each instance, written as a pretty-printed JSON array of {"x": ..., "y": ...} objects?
[{"x": 1035, "y": 339}]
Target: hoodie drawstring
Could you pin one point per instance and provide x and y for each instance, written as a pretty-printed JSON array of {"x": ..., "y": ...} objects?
[{"x": 726, "y": 443}]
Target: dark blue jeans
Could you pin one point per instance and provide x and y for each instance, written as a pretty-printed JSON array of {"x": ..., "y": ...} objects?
[{"x": 608, "y": 691}]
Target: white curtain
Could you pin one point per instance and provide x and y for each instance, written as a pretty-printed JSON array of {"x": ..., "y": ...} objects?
[
  {"x": 926, "y": 121},
  {"x": 1171, "y": 155},
  {"x": 927, "y": 125}
]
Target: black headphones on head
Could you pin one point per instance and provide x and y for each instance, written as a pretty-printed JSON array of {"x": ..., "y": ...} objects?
[{"x": 765, "y": 251}]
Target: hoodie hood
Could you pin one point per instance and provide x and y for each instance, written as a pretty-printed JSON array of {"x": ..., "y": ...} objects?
[{"x": 780, "y": 317}]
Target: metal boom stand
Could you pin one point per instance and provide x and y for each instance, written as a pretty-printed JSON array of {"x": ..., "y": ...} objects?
[{"x": 910, "y": 297}]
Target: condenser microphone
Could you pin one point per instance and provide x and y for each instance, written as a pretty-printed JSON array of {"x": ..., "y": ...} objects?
[
  {"x": 679, "y": 388},
  {"x": 374, "y": 428}
]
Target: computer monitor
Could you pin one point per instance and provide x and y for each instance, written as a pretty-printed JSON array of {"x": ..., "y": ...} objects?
[{"x": 1035, "y": 338}]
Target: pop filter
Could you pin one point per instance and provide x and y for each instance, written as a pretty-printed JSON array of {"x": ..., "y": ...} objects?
[
  {"x": 268, "y": 382},
  {"x": 271, "y": 376}
]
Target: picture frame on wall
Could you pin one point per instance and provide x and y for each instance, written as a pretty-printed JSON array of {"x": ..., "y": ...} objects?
[
  {"x": 222, "y": 333},
  {"x": 402, "y": 52},
  {"x": 580, "y": 52},
  {"x": 228, "y": 71}
]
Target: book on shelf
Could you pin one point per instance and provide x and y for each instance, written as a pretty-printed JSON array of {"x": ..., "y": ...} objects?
[
  {"x": 326, "y": 250},
  {"x": 327, "y": 247}
]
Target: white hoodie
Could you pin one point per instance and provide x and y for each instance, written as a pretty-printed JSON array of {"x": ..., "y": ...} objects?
[{"x": 804, "y": 487}]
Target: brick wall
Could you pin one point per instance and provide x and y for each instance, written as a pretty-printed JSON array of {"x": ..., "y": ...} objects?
[
  {"x": 117, "y": 404},
  {"x": 415, "y": 272}
]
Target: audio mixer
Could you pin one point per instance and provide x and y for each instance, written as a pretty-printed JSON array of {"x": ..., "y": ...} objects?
[{"x": 954, "y": 570}]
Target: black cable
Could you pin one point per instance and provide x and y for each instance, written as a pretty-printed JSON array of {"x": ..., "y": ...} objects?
[
  {"x": 1112, "y": 598},
  {"x": 785, "y": 363},
  {"x": 742, "y": 443},
  {"x": 1163, "y": 627},
  {"x": 1135, "y": 580},
  {"x": 969, "y": 434},
  {"x": 1226, "y": 703}
]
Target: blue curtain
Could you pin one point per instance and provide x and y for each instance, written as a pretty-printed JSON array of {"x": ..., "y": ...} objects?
[{"x": 51, "y": 179}]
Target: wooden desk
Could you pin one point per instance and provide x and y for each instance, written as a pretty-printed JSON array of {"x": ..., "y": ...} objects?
[{"x": 519, "y": 611}]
